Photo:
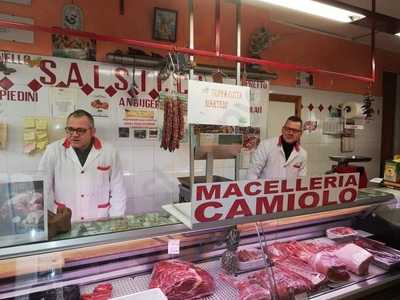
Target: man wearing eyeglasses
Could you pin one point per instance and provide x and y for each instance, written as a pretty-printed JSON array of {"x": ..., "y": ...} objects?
[
  {"x": 280, "y": 157},
  {"x": 85, "y": 174}
]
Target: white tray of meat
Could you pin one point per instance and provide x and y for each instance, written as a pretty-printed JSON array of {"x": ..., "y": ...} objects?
[
  {"x": 341, "y": 234},
  {"x": 250, "y": 258}
]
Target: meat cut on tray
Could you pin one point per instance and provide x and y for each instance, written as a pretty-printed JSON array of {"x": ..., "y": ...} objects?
[
  {"x": 341, "y": 233},
  {"x": 245, "y": 255},
  {"x": 102, "y": 291},
  {"x": 318, "y": 256},
  {"x": 181, "y": 280},
  {"x": 357, "y": 259},
  {"x": 260, "y": 285},
  {"x": 384, "y": 256},
  {"x": 299, "y": 267}
]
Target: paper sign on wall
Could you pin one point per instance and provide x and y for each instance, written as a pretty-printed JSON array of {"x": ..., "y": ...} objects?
[
  {"x": 63, "y": 101},
  {"x": 218, "y": 104},
  {"x": 222, "y": 201}
]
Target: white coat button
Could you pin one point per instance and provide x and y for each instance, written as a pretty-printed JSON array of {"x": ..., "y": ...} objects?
[{"x": 82, "y": 172}]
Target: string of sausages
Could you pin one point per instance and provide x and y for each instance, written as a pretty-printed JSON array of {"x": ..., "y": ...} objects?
[{"x": 174, "y": 125}]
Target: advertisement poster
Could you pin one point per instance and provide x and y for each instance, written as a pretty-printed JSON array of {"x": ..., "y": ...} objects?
[
  {"x": 99, "y": 106},
  {"x": 218, "y": 104}
]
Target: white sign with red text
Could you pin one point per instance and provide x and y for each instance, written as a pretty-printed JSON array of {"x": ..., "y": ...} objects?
[
  {"x": 223, "y": 201},
  {"x": 218, "y": 104}
]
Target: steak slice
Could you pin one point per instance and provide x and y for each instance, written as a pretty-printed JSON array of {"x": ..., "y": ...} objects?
[{"x": 180, "y": 280}]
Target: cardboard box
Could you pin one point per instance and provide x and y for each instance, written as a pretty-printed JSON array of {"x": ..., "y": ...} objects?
[{"x": 392, "y": 171}]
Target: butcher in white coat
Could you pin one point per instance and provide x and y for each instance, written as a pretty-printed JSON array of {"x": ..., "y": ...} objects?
[
  {"x": 84, "y": 173},
  {"x": 280, "y": 157}
]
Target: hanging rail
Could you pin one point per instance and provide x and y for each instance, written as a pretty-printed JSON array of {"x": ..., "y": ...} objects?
[{"x": 170, "y": 47}]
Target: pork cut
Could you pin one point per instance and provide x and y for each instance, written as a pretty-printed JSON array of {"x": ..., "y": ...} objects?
[
  {"x": 245, "y": 255},
  {"x": 181, "y": 280},
  {"x": 356, "y": 259},
  {"x": 299, "y": 267},
  {"x": 319, "y": 256},
  {"x": 286, "y": 283},
  {"x": 248, "y": 289}
]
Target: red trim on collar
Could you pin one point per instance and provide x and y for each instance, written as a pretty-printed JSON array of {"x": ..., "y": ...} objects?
[
  {"x": 296, "y": 146},
  {"x": 96, "y": 143},
  {"x": 67, "y": 143}
]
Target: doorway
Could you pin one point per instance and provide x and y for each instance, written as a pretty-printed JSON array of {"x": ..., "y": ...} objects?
[{"x": 281, "y": 107}]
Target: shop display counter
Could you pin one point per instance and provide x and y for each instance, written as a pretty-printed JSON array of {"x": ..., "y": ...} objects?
[{"x": 122, "y": 252}]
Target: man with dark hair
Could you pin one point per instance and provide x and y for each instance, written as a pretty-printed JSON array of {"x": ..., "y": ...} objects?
[
  {"x": 85, "y": 174},
  {"x": 280, "y": 157}
]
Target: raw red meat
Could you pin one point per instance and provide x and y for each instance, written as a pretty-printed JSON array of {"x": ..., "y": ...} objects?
[
  {"x": 249, "y": 289},
  {"x": 318, "y": 255},
  {"x": 249, "y": 254},
  {"x": 342, "y": 230},
  {"x": 357, "y": 259},
  {"x": 180, "y": 280},
  {"x": 301, "y": 268},
  {"x": 102, "y": 291},
  {"x": 253, "y": 291},
  {"x": 329, "y": 264},
  {"x": 287, "y": 283}
]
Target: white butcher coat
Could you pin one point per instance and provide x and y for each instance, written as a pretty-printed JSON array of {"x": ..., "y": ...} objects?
[
  {"x": 92, "y": 191},
  {"x": 269, "y": 161}
]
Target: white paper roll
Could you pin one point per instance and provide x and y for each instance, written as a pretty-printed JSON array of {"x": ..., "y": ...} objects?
[{"x": 353, "y": 110}]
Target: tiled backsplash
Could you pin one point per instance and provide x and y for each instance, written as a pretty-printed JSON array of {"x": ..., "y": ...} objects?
[
  {"x": 151, "y": 173},
  {"x": 319, "y": 146}
]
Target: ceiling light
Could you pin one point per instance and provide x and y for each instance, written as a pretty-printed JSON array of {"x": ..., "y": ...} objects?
[
  {"x": 398, "y": 34},
  {"x": 319, "y": 9}
]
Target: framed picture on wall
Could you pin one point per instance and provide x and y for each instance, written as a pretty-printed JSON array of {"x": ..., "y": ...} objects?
[{"x": 165, "y": 24}]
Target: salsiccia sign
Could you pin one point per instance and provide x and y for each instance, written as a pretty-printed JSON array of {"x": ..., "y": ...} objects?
[{"x": 221, "y": 201}]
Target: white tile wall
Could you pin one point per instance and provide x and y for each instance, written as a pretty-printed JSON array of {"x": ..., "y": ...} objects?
[
  {"x": 319, "y": 146},
  {"x": 150, "y": 173}
]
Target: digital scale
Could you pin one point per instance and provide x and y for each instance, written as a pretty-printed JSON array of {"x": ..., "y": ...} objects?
[{"x": 343, "y": 166}]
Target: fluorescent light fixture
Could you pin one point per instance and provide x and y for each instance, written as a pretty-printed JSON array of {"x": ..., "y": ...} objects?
[
  {"x": 398, "y": 34},
  {"x": 319, "y": 9}
]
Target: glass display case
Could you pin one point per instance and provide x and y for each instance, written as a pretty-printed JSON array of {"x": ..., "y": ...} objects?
[
  {"x": 23, "y": 209},
  {"x": 119, "y": 257}
]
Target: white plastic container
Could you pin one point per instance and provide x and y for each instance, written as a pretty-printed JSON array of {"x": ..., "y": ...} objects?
[{"x": 341, "y": 233}]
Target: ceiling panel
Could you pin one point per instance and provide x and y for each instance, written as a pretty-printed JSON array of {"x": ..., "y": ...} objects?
[{"x": 341, "y": 30}]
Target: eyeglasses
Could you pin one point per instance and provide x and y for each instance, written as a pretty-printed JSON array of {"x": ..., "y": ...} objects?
[
  {"x": 80, "y": 131},
  {"x": 293, "y": 130}
]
